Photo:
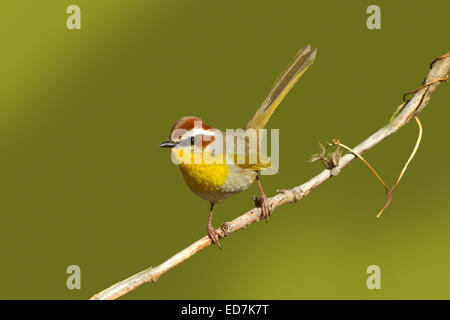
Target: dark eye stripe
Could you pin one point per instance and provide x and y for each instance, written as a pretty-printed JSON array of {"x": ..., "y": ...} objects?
[{"x": 199, "y": 138}]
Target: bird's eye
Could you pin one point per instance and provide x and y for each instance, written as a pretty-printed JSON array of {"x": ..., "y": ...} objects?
[{"x": 192, "y": 141}]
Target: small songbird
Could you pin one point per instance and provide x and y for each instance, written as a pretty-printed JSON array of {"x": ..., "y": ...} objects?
[{"x": 218, "y": 175}]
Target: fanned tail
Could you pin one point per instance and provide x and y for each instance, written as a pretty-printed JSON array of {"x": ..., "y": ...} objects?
[{"x": 302, "y": 61}]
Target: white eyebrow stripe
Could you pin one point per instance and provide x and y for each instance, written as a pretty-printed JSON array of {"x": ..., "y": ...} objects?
[{"x": 198, "y": 131}]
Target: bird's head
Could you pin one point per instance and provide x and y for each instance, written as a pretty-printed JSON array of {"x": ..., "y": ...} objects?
[{"x": 190, "y": 134}]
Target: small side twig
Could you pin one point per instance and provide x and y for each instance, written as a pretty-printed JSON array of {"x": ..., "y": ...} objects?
[
  {"x": 389, "y": 193},
  {"x": 416, "y": 147},
  {"x": 360, "y": 157}
]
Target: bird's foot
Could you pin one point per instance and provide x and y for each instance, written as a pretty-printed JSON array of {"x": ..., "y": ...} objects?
[
  {"x": 213, "y": 235},
  {"x": 266, "y": 208}
]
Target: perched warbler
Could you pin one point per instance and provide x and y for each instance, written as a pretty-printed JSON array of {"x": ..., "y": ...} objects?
[{"x": 214, "y": 174}]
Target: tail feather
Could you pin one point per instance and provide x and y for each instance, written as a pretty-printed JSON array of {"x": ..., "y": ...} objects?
[{"x": 302, "y": 61}]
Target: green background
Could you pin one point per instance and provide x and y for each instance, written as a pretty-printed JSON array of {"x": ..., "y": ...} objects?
[{"x": 83, "y": 181}]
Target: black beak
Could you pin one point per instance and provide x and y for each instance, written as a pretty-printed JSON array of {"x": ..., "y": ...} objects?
[{"x": 167, "y": 144}]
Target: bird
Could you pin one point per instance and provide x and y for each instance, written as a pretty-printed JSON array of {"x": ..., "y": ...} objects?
[{"x": 214, "y": 174}]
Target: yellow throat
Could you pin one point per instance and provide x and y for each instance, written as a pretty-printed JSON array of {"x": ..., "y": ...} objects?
[{"x": 206, "y": 176}]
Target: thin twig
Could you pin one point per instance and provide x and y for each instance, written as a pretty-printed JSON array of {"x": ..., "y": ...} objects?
[
  {"x": 366, "y": 163},
  {"x": 423, "y": 86},
  {"x": 389, "y": 193},
  {"x": 413, "y": 153},
  {"x": 408, "y": 110}
]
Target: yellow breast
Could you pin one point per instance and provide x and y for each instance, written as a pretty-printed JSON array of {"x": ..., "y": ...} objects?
[{"x": 205, "y": 176}]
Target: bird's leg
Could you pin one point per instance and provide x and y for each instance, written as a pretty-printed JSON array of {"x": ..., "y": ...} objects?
[
  {"x": 266, "y": 209},
  {"x": 212, "y": 233}
]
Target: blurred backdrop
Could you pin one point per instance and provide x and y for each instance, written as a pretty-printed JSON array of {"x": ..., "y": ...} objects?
[{"x": 83, "y": 181}]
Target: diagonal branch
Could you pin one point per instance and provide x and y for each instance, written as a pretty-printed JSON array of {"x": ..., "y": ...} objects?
[{"x": 439, "y": 71}]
